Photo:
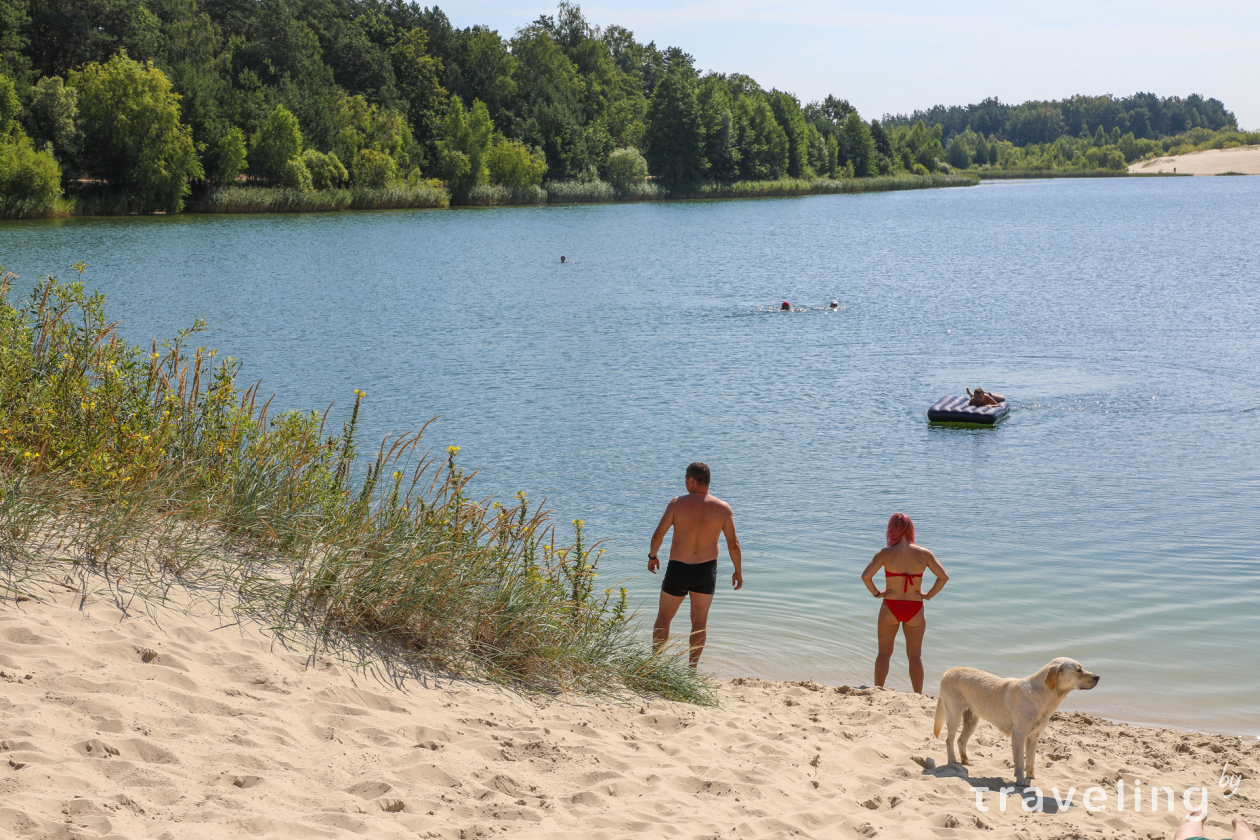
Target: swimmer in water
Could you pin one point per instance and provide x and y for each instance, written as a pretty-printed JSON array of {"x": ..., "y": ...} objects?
[
  {"x": 561, "y": 259},
  {"x": 835, "y": 304},
  {"x": 786, "y": 307}
]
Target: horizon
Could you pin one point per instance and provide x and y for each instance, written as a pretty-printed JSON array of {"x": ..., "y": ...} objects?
[{"x": 942, "y": 60}]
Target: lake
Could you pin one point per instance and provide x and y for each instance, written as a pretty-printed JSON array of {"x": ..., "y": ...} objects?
[{"x": 1112, "y": 518}]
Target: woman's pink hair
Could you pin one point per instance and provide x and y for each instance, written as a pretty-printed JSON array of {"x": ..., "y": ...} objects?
[{"x": 899, "y": 525}]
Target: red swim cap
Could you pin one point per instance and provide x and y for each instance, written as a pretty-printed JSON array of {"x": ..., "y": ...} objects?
[{"x": 899, "y": 525}]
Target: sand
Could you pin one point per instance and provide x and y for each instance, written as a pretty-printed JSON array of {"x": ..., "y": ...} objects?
[
  {"x": 161, "y": 725},
  {"x": 1244, "y": 159}
]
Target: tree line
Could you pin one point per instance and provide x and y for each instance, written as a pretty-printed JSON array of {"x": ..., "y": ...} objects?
[{"x": 153, "y": 98}]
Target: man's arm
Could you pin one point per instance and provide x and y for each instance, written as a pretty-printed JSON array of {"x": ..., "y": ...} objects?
[
  {"x": 941, "y": 577},
  {"x": 868, "y": 576},
  {"x": 732, "y": 548},
  {"x": 658, "y": 536}
]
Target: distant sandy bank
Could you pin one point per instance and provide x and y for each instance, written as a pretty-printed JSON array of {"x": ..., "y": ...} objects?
[
  {"x": 130, "y": 724},
  {"x": 1243, "y": 159}
]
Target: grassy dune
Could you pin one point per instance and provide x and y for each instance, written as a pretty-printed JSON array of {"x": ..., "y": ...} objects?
[{"x": 149, "y": 468}]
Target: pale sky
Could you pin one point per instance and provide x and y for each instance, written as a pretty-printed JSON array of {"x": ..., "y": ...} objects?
[{"x": 899, "y": 55}]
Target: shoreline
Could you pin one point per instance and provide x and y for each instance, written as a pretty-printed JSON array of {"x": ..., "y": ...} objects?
[{"x": 131, "y": 720}]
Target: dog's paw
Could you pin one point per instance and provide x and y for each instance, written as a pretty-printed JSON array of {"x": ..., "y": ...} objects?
[{"x": 924, "y": 761}]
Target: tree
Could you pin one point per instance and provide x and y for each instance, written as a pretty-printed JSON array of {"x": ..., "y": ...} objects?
[
  {"x": 326, "y": 169},
  {"x": 627, "y": 169},
  {"x": 981, "y": 155},
  {"x": 418, "y": 77},
  {"x": 10, "y": 106},
  {"x": 957, "y": 154},
  {"x": 226, "y": 158},
  {"x": 52, "y": 119},
  {"x": 132, "y": 134},
  {"x": 787, "y": 112},
  {"x": 512, "y": 164},
  {"x": 374, "y": 169},
  {"x": 860, "y": 144},
  {"x": 763, "y": 145},
  {"x": 30, "y": 180},
  {"x": 277, "y": 142},
  {"x": 675, "y": 136},
  {"x": 466, "y": 138}
]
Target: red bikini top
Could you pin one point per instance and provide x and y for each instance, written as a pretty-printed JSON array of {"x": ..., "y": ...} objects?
[{"x": 909, "y": 577}]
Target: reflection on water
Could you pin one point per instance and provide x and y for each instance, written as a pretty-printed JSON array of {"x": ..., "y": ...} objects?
[{"x": 1111, "y": 518}]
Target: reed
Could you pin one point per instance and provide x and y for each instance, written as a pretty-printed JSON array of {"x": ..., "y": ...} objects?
[
  {"x": 30, "y": 208},
  {"x": 279, "y": 200},
  {"x": 495, "y": 195},
  {"x": 148, "y": 468},
  {"x": 579, "y": 192},
  {"x": 1031, "y": 174},
  {"x": 826, "y": 186}
]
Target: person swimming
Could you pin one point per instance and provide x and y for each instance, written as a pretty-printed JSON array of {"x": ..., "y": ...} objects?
[
  {"x": 981, "y": 397},
  {"x": 835, "y": 304},
  {"x": 561, "y": 258},
  {"x": 786, "y": 307},
  {"x": 902, "y": 558}
]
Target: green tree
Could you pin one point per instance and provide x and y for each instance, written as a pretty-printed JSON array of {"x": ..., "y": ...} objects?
[
  {"x": 15, "y": 60},
  {"x": 326, "y": 169},
  {"x": 132, "y": 134},
  {"x": 295, "y": 175},
  {"x": 277, "y": 142},
  {"x": 226, "y": 159},
  {"x": 462, "y": 151},
  {"x": 957, "y": 154},
  {"x": 627, "y": 169},
  {"x": 861, "y": 145},
  {"x": 512, "y": 164},
  {"x": 763, "y": 144},
  {"x": 418, "y": 76},
  {"x": 981, "y": 155},
  {"x": 675, "y": 135},
  {"x": 10, "y": 106},
  {"x": 52, "y": 119},
  {"x": 787, "y": 113},
  {"x": 30, "y": 180},
  {"x": 365, "y": 125},
  {"x": 374, "y": 169}
]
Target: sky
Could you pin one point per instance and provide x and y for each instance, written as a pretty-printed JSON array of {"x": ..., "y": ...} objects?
[{"x": 900, "y": 55}]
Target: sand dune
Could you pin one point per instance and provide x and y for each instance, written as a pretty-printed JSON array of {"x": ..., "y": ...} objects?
[
  {"x": 159, "y": 725},
  {"x": 1244, "y": 159}
]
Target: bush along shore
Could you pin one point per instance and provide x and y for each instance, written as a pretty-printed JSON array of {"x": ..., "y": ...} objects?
[{"x": 137, "y": 470}]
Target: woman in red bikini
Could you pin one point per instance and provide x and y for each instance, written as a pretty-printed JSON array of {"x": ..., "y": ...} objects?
[{"x": 903, "y": 563}]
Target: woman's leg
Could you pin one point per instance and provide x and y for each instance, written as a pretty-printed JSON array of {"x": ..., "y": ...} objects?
[
  {"x": 887, "y": 636},
  {"x": 914, "y": 630},
  {"x": 1242, "y": 831},
  {"x": 1192, "y": 827}
]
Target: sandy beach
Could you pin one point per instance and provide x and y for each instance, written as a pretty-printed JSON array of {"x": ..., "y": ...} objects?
[
  {"x": 1242, "y": 159},
  {"x": 139, "y": 723}
]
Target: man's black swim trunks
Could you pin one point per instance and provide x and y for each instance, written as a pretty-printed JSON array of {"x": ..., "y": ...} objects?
[{"x": 681, "y": 578}]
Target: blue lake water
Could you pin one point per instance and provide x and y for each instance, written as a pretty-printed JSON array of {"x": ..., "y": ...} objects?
[{"x": 1112, "y": 518}]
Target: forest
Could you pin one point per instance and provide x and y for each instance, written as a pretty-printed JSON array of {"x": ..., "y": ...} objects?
[{"x": 144, "y": 105}]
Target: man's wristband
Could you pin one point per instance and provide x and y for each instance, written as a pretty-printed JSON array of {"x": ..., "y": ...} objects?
[{"x": 652, "y": 557}]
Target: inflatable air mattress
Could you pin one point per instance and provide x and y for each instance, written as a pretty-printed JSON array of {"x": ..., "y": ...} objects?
[{"x": 954, "y": 411}]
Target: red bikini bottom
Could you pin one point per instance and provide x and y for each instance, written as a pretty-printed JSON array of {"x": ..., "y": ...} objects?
[{"x": 903, "y": 611}]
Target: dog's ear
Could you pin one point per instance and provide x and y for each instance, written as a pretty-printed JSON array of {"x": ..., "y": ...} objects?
[{"x": 1052, "y": 678}]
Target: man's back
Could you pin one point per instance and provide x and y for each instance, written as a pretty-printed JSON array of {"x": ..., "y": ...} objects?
[{"x": 698, "y": 518}]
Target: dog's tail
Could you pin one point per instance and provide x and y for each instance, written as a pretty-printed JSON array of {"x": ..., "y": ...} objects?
[{"x": 940, "y": 715}]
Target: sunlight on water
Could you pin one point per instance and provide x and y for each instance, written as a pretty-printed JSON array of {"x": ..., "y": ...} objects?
[{"x": 1112, "y": 518}]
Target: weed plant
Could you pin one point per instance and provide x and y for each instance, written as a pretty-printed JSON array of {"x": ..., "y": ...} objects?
[
  {"x": 149, "y": 467},
  {"x": 494, "y": 195},
  {"x": 579, "y": 192}
]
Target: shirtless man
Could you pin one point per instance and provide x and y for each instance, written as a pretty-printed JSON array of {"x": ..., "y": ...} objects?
[{"x": 697, "y": 519}]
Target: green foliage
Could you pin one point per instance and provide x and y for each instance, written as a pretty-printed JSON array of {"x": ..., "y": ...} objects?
[
  {"x": 465, "y": 145},
  {"x": 154, "y": 471},
  {"x": 30, "y": 180},
  {"x": 52, "y": 119},
  {"x": 675, "y": 138},
  {"x": 227, "y": 158},
  {"x": 512, "y": 164},
  {"x": 274, "y": 200},
  {"x": 10, "y": 107},
  {"x": 277, "y": 141},
  {"x": 860, "y": 145},
  {"x": 369, "y": 127},
  {"x": 957, "y": 154},
  {"x": 374, "y": 170},
  {"x": 326, "y": 169},
  {"x": 296, "y": 176},
  {"x": 626, "y": 169},
  {"x": 418, "y": 76},
  {"x": 132, "y": 134}
]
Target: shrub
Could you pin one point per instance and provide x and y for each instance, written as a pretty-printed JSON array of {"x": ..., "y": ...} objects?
[
  {"x": 30, "y": 180},
  {"x": 373, "y": 169},
  {"x": 52, "y": 118},
  {"x": 512, "y": 164},
  {"x": 919, "y": 169},
  {"x": 296, "y": 176},
  {"x": 626, "y": 169},
  {"x": 326, "y": 170}
]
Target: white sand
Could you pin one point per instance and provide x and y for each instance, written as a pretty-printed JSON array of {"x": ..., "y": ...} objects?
[
  {"x": 1244, "y": 159},
  {"x": 223, "y": 734}
]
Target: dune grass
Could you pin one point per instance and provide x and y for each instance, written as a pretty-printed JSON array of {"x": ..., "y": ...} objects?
[{"x": 149, "y": 468}]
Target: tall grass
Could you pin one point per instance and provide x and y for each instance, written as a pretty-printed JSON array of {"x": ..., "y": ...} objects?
[
  {"x": 34, "y": 208},
  {"x": 279, "y": 200},
  {"x": 826, "y": 186},
  {"x": 494, "y": 195},
  {"x": 147, "y": 467},
  {"x": 1027, "y": 174},
  {"x": 579, "y": 192}
]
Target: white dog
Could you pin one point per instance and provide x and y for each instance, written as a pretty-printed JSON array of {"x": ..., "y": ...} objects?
[{"x": 1019, "y": 707}]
